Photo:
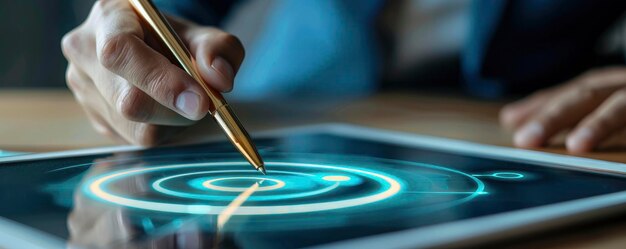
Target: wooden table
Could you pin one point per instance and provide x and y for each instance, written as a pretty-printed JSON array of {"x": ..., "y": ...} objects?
[{"x": 51, "y": 120}]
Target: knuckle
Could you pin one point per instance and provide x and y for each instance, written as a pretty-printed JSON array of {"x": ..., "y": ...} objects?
[
  {"x": 114, "y": 50},
  {"x": 159, "y": 84},
  {"x": 155, "y": 77},
  {"x": 586, "y": 92},
  {"x": 69, "y": 43},
  {"x": 129, "y": 105},
  {"x": 71, "y": 80}
]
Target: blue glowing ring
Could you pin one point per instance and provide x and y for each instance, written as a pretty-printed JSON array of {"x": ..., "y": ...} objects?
[
  {"x": 507, "y": 175},
  {"x": 158, "y": 186},
  {"x": 97, "y": 188}
]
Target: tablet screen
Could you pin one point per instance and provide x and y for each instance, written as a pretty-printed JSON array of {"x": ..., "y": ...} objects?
[{"x": 319, "y": 188}]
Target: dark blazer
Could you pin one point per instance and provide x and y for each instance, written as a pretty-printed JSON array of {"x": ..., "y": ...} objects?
[{"x": 523, "y": 45}]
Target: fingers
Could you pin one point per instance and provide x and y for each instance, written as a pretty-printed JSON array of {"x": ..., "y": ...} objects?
[
  {"x": 132, "y": 92},
  {"x": 512, "y": 116},
  {"x": 218, "y": 55},
  {"x": 129, "y": 101},
  {"x": 82, "y": 87},
  {"x": 595, "y": 128},
  {"x": 79, "y": 48},
  {"x": 561, "y": 112},
  {"x": 135, "y": 105},
  {"x": 121, "y": 49},
  {"x": 594, "y": 102},
  {"x": 110, "y": 122},
  {"x": 139, "y": 133}
]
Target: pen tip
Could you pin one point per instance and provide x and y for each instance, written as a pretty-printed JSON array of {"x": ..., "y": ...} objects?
[{"x": 261, "y": 169}]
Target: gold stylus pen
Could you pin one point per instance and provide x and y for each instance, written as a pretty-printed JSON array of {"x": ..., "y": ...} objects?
[{"x": 219, "y": 109}]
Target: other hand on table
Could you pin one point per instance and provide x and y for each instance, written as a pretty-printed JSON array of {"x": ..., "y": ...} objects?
[{"x": 593, "y": 105}]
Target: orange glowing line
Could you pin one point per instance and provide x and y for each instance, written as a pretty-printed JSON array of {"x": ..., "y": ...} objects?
[{"x": 225, "y": 215}]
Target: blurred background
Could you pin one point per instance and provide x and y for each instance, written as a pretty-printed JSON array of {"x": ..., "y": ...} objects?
[
  {"x": 420, "y": 44},
  {"x": 32, "y": 57},
  {"x": 420, "y": 41},
  {"x": 30, "y": 47}
]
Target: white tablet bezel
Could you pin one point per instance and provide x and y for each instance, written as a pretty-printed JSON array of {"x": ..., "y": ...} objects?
[{"x": 456, "y": 233}]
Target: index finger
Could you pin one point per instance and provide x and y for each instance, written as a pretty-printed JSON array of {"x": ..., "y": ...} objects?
[{"x": 122, "y": 50}]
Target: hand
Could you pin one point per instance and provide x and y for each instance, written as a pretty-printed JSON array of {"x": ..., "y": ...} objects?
[
  {"x": 132, "y": 92},
  {"x": 593, "y": 104}
]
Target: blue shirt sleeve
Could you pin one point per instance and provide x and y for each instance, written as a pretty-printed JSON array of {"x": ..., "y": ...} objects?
[{"x": 313, "y": 50}]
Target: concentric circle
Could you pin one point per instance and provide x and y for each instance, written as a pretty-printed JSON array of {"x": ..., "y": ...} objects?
[
  {"x": 199, "y": 183},
  {"x": 296, "y": 186},
  {"x": 385, "y": 187}
]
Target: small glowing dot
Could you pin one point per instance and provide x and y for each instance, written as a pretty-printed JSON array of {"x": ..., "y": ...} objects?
[{"x": 336, "y": 178}]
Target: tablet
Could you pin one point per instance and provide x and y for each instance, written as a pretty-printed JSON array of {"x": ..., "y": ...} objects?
[{"x": 327, "y": 186}]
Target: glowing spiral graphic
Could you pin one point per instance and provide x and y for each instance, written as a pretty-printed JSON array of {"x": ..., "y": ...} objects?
[
  {"x": 282, "y": 191},
  {"x": 297, "y": 185},
  {"x": 205, "y": 183}
]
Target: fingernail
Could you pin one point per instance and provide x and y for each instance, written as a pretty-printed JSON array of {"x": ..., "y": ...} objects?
[
  {"x": 529, "y": 136},
  {"x": 224, "y": 69},
  {"x": 189, "y": 103},
  {"x": 580, "y": 141}
]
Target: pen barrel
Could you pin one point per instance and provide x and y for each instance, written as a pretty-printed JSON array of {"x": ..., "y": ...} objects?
[
  {"x": 227, "y": 120},
  {"x": 219, "y": 109},
  {"x": 159, "y": 26}
]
